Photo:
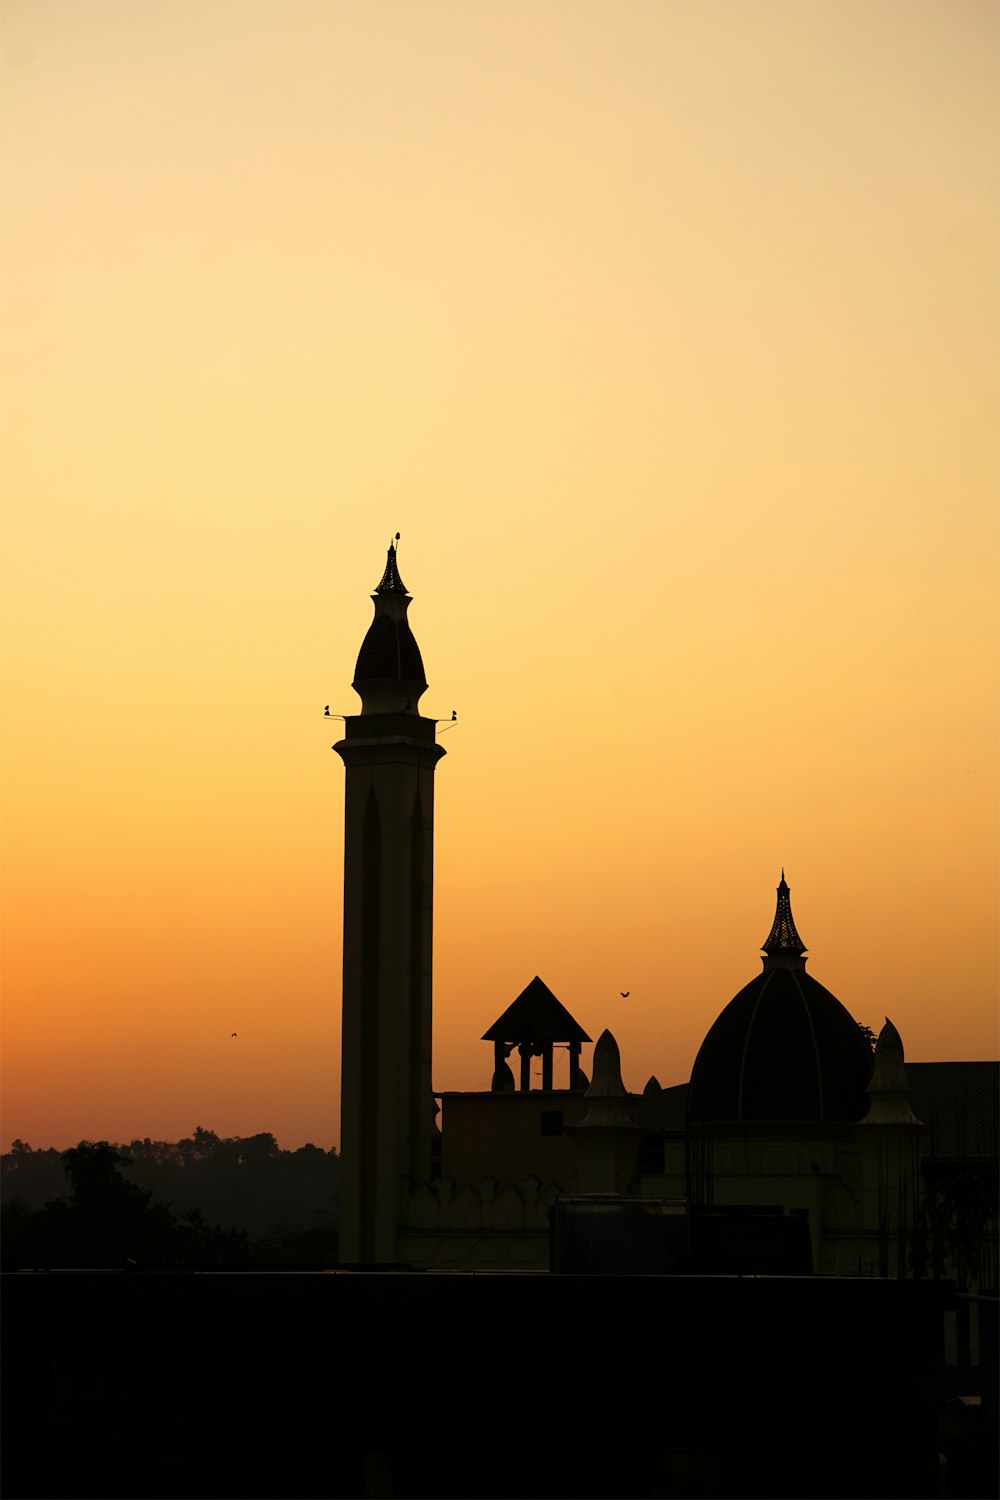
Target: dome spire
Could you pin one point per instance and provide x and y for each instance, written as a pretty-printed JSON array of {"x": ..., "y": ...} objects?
[
  {"x": 783, "y": 944},
  {"x": 391, "y": 583}
]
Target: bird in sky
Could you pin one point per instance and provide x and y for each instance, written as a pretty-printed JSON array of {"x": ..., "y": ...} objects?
[
  {"x": 234, "y": 1033},
  {"x": 624, "y": 994}
]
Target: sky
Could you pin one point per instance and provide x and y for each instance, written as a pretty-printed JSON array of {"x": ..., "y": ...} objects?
[{"x": 666, "y": 336}]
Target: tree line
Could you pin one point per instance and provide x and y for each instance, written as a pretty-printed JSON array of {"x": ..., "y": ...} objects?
[{"x": 204, "y": 1200}]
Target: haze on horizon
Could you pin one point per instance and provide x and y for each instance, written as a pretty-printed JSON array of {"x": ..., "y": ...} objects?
[{"x": 666, "y": 335}]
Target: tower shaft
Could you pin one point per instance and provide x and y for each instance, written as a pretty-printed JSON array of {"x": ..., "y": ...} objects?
[{"x": 387, "y": 1109}]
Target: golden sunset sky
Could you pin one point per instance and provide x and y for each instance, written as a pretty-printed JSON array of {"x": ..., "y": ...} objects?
[{"x": 666, "y": 335}]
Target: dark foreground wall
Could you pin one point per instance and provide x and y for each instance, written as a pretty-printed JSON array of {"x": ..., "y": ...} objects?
[{"x": 301, "y": 1385}]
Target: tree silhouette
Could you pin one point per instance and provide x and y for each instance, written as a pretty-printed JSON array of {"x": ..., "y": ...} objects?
[
  {"x": 869, "y": 1036},
  {"x": 112, "y": 1219},
  {"x": 109, "y": 1221}
]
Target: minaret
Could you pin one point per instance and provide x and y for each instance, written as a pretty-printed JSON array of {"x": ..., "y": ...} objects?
[
  {"x": 387, "y": 1108},
  {"x": 607, "y": 1138},
  {"x": 889, "y": 1137}
]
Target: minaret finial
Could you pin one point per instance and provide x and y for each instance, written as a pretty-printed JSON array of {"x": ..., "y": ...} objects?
[{"x": 783, "y": 943}]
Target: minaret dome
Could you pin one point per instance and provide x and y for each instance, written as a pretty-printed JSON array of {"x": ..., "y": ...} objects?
[{"x": 389, "y": 675}]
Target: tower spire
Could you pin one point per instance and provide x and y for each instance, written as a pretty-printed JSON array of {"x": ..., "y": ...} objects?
[{"x": 783, "y": 944}]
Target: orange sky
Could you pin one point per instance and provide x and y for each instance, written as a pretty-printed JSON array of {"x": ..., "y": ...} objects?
[{"x": 666, "y": 334}]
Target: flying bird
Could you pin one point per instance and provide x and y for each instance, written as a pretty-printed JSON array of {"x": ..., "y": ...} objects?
[
  {"x": 234, "y": 1033},
  {"x": 624, "y": 994}
]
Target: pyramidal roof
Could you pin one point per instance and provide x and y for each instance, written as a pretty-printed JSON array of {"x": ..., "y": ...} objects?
[{"x": 536, "y": 1016}]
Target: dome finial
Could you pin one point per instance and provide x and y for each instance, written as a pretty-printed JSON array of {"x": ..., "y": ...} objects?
[{"x": 783, "y": 944}]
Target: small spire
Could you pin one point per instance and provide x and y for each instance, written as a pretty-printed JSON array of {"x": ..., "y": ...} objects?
[
  {"x": 607, "y": 1083},
  {"x": 391, "y": 582},
  {"x": 783, "y": 941},
  {"x": 608, "y": 1101},
  {"x": 889, "y": 1090}
]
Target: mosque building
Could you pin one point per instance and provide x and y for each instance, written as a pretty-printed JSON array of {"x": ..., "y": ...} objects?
[
  {"x": 794, "y": 1148},
  {"x": 781, "y": 1273}
]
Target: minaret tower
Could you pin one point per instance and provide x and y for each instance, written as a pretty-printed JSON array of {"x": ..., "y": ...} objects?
[{"x": 387, "y": 1108}]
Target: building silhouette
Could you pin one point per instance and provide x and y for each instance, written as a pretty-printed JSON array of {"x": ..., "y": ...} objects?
[{"x": 794, "y": 1148}]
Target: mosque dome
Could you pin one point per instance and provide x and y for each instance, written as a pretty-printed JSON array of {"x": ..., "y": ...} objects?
[
  {"x": 389, "y": 675},
  {"x": 784, "y": 1048}
]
